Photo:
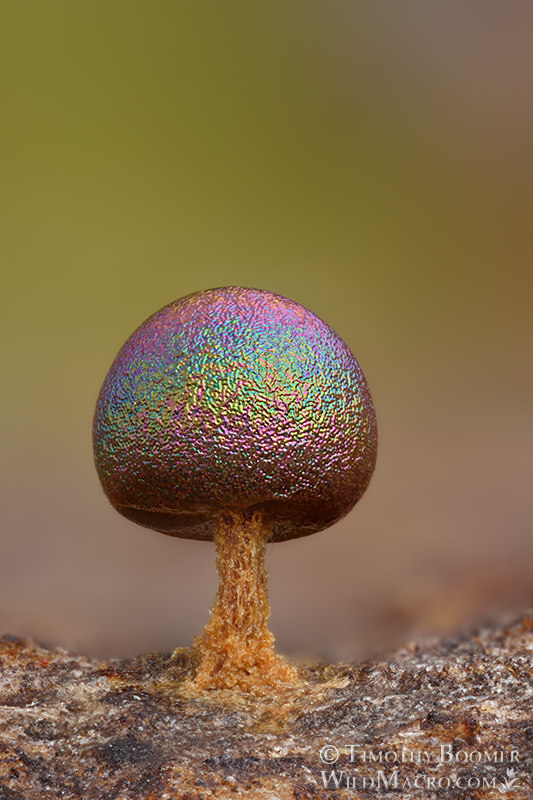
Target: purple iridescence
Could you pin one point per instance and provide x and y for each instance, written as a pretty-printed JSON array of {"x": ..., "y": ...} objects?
[{"x": 235, "y": 399}]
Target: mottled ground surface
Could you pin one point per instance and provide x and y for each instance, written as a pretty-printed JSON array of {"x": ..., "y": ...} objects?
[{"x": 448, "y": 719}]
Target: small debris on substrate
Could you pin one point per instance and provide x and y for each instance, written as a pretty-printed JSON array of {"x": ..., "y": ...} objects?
[{"x": 449, "y": 719}]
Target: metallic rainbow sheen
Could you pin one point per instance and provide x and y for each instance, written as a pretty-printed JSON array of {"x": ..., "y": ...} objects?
[{"x": 234, "y": 399}]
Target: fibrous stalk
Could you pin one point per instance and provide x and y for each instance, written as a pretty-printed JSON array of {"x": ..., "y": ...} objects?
[{"x": 236, "y": 648}]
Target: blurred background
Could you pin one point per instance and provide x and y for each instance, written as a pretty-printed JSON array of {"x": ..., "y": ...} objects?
[{"x": 371, "y": 161}]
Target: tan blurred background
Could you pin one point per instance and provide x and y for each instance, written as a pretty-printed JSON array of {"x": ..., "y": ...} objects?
[{"x": 371, "y": 161}]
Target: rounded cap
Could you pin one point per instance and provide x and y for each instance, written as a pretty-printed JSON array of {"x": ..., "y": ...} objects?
[{"x": 234, "y": 399}]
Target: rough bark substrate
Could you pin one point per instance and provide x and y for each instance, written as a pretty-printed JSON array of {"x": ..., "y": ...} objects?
[{"x": 458, "y": 713}]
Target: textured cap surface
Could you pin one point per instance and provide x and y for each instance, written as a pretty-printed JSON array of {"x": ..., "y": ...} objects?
[{"x": 232, "y": 399}]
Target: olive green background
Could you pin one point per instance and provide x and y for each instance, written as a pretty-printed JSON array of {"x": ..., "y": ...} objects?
[{"x": 371, "y": 161}]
